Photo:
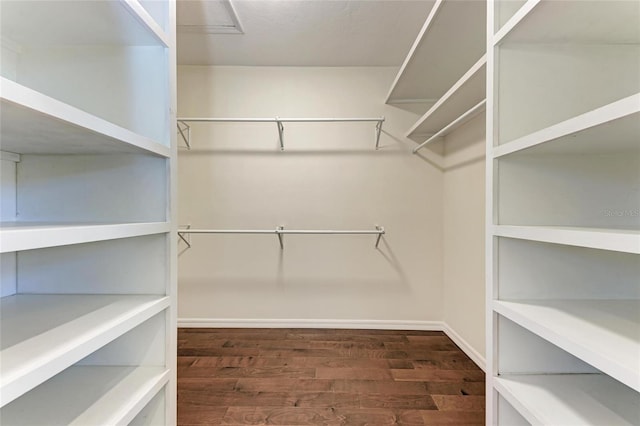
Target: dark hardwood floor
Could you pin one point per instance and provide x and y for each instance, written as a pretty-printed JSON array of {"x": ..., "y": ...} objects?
[{"x": 325, "y": 377}]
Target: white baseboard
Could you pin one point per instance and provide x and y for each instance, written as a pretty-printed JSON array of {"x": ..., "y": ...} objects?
[
  {"x": 310, "y": 323},
  {"x": 330, "y": 323},
  {"x": 465, "y": 346}
]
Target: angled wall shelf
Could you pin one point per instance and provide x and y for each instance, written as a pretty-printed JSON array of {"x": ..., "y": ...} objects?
[
  {"x": 441, "y": 53},
  {"x": 184, "y": 130},
  {"x": 446, "y": 69},
  {"x": 460, "y": 98}
]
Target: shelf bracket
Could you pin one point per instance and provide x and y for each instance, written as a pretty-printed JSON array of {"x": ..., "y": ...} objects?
[
  {"x": 187, "y": 239},
  {"x": 381, "y": 229},
  {"x": 280, "y": 133},
  {"x": 280, "y": 237},
  {"x": 185, "y": 137},
  {"x": 378, "y": 131}
]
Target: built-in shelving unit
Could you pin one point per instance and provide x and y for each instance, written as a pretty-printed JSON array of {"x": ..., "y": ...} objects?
[
  {"x": 563, "y": 231},
  {"x": 444, "y": 72},
  {"x": 87, "y": 303}
]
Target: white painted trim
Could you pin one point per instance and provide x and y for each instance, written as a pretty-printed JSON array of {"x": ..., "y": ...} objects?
[
  {"x": 309, "y": 323},
  {"x": 9, "y": 156},
  {"x": 465, "y": 346}
]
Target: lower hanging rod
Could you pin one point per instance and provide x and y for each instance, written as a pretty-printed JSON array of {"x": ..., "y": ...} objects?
[{"x": 280, "y": 231}]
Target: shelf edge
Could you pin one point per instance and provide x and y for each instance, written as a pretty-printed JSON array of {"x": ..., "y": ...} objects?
[
  {"x": 602, "y": 115},
  {"x": 603, "y": 239},
  {"x": 16, "y": 239},
  {"x": 435, "y": 9},
  {"x": 144, "y": 18}
]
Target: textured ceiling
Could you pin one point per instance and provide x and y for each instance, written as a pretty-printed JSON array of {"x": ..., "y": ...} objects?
[{"x": 307, "y": 33}]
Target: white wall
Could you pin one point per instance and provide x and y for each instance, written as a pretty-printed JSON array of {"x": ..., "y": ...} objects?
[
  {"x": 328, "y": 177},
  {"x": 464, "y": 220}
]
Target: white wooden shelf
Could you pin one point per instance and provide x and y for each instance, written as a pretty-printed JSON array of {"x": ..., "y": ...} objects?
[
  {"x": 106, "y": 23},
  {"x": 16, "y": 236},
  {"x": 603, "y": 333},
  {"x": 570, "y": 399},
  {"x": 609, "y": 129},
  {"x": 608, "y": 22},
  {"x": 91, "y": 396},
  {"x": 442, "y": 52},
  {"x": 462, "y": 96},
  {"x": 627, "y": 241},
  {"x": 44, "y": 334},
  {"x": 33, "y": 123}
]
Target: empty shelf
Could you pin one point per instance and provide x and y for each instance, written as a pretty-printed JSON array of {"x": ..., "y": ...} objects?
[
  {"x": 33, "y": 123},
  {"x": 16, "y": 236},
  {"x": 570, "y": 399},
  {"x": 442, "y": 52},
  {"x": 44, "y": 334},
  {"x": 603, "y": 333},
  {"x": 462, "y": 96},
  {"x": 609, "y": 129},
  {"x": 627, "y": 241},
  {"x": 91, "y": 396}
]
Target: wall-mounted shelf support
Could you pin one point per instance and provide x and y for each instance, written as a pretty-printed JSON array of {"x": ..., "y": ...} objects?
[
  {"x": 186, "y": 238},
  {"x": 378, "y": 131},
  {"x": 280, "y": 232},
  {"x": 279, "y": 122},
  {"x": 280, "y": 133},
  {"x": 455, "y": 123},
  {"x": 185, "y": 137}
]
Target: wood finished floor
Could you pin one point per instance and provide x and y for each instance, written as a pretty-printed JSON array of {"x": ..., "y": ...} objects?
[{"x": 325, "y": 377}]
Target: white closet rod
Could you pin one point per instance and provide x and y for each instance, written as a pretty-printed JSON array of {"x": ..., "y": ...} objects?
[
  {"x": 279, "y": 122},
  {"x": 455, "y": 123},
  {"x": 280, "y": 231},
  {"x": 275, "y": 120}
]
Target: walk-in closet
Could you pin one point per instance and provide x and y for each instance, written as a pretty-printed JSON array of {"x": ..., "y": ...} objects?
[{"x": 310, "y": 212}]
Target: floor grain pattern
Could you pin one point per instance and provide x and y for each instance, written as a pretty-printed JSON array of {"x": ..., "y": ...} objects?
[{"x": 325, "y": 377}]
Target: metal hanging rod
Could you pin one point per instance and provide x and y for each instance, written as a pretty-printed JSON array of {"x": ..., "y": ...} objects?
[
  {"x": 455, "y": 123},
  {"x": 279, "y": 122},
  {"x": 280, "y": 231}
]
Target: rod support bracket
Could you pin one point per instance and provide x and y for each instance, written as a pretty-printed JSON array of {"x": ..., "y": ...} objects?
[
  {"x": 378, "y": 131},
  {"x": 380, "y": 234},
  {"x": 280, "y": 133},
  {"x": 187, "y": 239},
  {"x": 185, "y": 137},
  {"x": 280, "y": 236}
]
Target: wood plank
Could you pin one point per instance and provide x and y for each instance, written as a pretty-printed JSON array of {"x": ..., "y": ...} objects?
[{"x": 425, "y": 375}]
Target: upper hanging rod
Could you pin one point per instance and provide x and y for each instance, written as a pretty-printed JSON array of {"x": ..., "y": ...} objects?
[
  {"x": 279, "y": 122},
  {"x": 279, "y": 231}
]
